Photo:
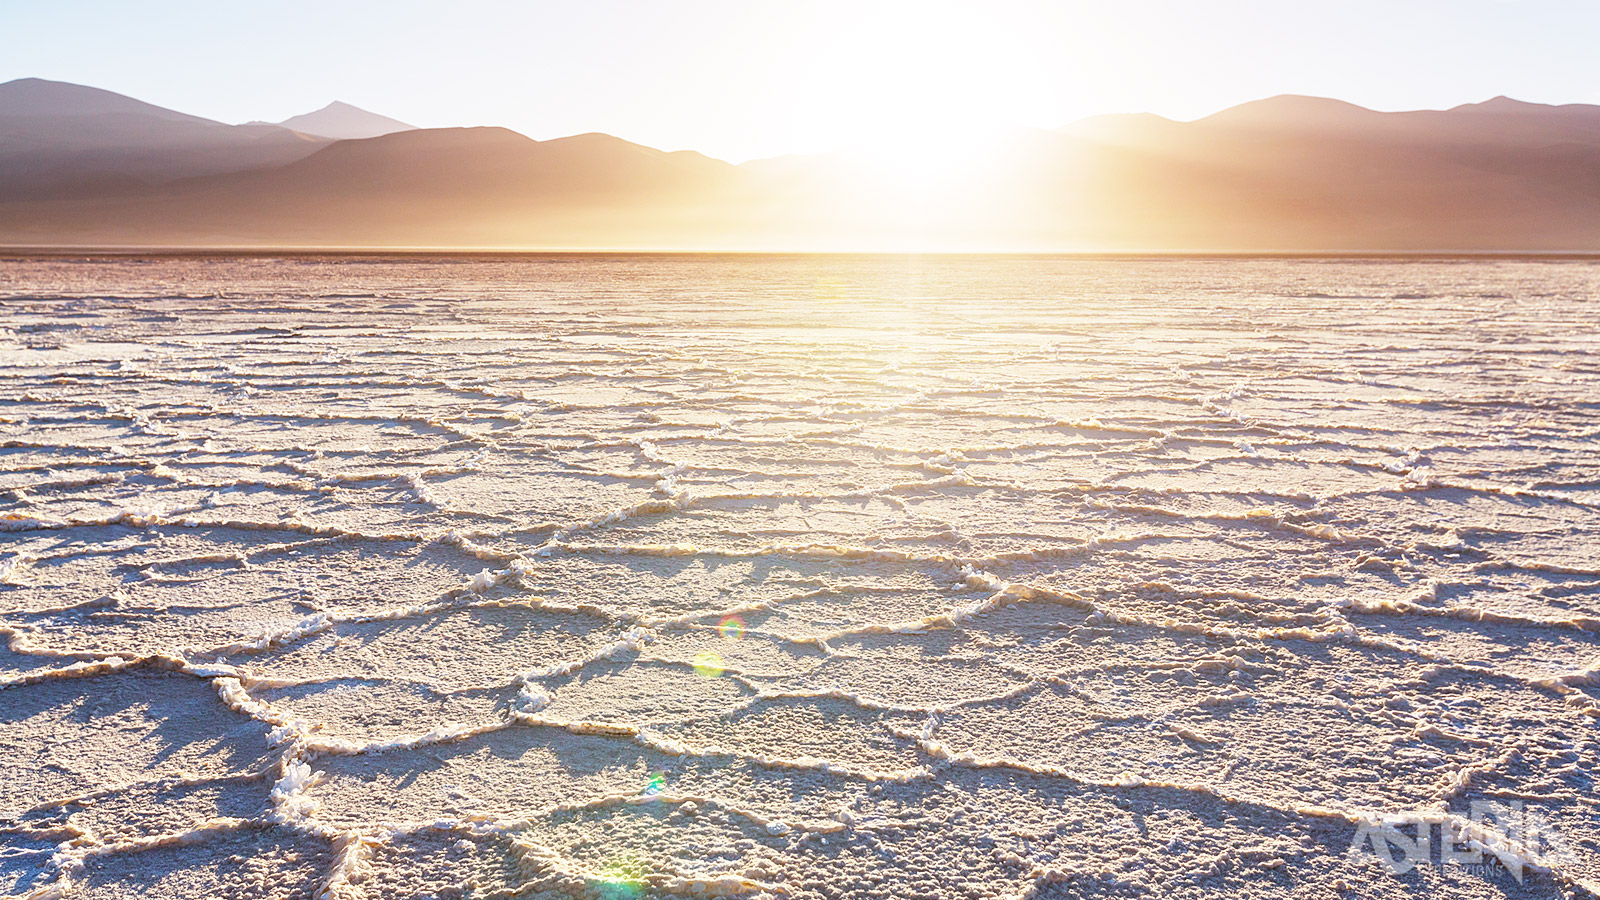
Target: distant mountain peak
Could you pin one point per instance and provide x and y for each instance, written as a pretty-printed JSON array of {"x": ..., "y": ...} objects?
[
  {"x": 1503, "y": 104},
  {"x": 42, "y": 97},
  {"x": 1291, "y": 109},
  {"x": 343, "y": 121}
]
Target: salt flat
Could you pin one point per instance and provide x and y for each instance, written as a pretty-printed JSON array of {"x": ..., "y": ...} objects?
[{"x": 799, "y": 576}]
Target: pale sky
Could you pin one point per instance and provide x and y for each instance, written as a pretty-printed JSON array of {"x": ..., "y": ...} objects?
[{"x": 742, "y": 79}]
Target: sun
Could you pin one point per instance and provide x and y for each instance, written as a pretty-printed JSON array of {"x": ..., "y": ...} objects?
[
  {"x": 925, "y": 158},
  {"x": 925, "y": 92}
]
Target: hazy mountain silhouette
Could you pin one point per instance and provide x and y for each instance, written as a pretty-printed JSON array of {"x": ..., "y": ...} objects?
[
  {"x": 1286, "y": 173},
  {"x": 424, "y": 187},
  {"x": 40, "y": 98},
  {"x": 1304, "y": 172},
  {"x": 61, "y": 140},
  {"x": 341, "y": 121}
]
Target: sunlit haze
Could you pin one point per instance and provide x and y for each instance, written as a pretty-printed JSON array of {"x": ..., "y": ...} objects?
[{"x": 741, "y": 80}]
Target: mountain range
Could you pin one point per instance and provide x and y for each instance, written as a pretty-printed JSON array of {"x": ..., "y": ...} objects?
[{"x": 85, "y": 167}]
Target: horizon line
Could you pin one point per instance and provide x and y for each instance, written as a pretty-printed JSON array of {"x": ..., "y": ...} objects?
[{"x": 60, "y": 250}]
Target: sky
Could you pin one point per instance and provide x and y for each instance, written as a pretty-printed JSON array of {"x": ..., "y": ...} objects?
[{"x": 746, "y": 79}]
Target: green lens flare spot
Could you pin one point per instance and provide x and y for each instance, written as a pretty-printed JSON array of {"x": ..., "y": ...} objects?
[{"x": 707, "y": 664}]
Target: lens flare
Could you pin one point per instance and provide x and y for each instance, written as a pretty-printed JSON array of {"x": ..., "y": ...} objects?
[
  {"x": 707, "y": 664},
  {"x": 656, "y": 786},
  {"x": 732, "y": 628},
  {"x": 622, "y": 878}
]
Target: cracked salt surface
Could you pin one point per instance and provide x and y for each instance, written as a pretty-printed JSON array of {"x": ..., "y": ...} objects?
[{"x": 803, "y": 577}]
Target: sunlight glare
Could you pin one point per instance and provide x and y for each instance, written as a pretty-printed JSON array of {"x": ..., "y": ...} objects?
[{"x": 935, "y": 92}]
